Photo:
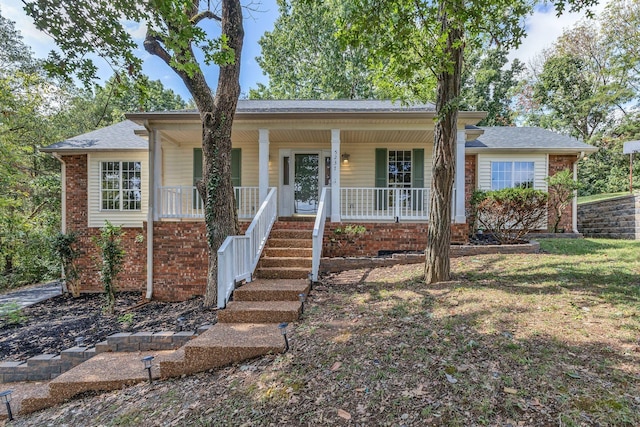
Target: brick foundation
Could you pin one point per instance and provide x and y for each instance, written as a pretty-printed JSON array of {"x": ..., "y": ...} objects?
[
  {"x": 406, "y": 237},
  {"x": 558, "y": 163}
]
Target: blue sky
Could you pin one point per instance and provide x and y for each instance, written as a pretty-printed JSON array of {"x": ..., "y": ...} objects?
[{"x": 542, "y": 28}]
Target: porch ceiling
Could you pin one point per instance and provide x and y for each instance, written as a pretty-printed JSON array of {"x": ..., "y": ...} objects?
[{"x": 320, "y": 136}]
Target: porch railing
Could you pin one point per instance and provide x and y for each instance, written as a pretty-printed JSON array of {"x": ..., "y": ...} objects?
[
  {"x": 384, "y": 203},
  {"x": 183, "y": 201},
  {"x": 318, "y": 231},
  {"x": 239, "y": 255}
]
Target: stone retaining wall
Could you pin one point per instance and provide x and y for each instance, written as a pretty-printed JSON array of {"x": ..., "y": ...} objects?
[
  {"x": 617, "y": 218},
  {"x": 48, "y": 366}
]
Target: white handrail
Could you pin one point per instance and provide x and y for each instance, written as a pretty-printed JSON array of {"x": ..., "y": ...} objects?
[
  {"x": 318, "y": 231},
  {"x": 238, "y": 256}
]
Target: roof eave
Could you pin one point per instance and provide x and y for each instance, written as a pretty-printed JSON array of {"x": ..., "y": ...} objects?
[{"x": 557, "y": 150}]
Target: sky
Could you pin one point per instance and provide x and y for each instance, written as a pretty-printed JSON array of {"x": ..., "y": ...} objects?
[{"x": 543, "y": 28}]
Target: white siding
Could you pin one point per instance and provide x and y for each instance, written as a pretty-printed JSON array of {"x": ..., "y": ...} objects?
[
  {"x": 124, "y": 218},
  {"x": 540, "y": 168}
]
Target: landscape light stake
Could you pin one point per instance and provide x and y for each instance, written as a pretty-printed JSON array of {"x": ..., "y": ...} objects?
[
  {"x": 79, "y": 342},
  {"x": 181, "y": 322},
  {"x": 283, "y": 330},
  {"x": 310, "y": 277},
  {"x": 302, "y": 298},
  {"x": 147, "y": 365},
  {"x": 6, "y": 396}
]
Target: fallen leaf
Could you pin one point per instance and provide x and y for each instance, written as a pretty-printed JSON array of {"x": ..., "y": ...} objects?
[
  {"x": 510, "y": 390},
  {"x": 336, "y": 366},
  {"x": 361, "y": 389},
  {"x": 344, "y": 414},
  {"x": 574, "y": 375},
  {"x": 451, "y": 379}
]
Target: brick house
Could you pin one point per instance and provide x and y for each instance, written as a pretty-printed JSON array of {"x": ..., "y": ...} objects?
[{"x": 336, "y": 163}]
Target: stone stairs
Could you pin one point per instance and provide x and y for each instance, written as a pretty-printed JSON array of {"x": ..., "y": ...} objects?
[{"x": 288, "y": 252}]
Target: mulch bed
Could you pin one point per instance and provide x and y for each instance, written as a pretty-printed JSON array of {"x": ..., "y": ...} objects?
[{"x": 53, "y": 325}]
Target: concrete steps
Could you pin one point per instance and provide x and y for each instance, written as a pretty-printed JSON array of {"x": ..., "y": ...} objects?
[
  {"x": 222, "y": 345},
  {"x": 260, "y": 312},
  {"x": 272, "y": 290},
  {"x": 290, "y": 243},
  {"x": 285, "y": 262},
  {"x": 288, "y": 253},
  {"x": 276, "y": 273}
]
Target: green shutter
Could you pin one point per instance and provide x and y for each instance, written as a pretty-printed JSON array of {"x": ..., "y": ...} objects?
[
  {"x": 197, "y": 165},
  {"x": 236, "y": 161},
  {"x": 381, "y": 177},
  {"x": 417, "y": 176}
]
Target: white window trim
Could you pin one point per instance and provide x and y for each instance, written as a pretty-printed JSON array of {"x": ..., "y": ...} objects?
[
  {"x": 120, "y": 186},
  {"x": 513, "y": 172}
]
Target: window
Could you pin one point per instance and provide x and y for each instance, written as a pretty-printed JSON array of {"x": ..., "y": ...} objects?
[
  {"x": 512, "y": 175},
  {"x": 120, "y": 186},
  {"x": 399, "y": 169}
]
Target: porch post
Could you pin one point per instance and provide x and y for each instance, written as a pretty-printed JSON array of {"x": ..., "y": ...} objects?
[
  {"x": 263, "y": 163},
  {"x": 335, "y": 175},
  {"x": 156, "y": 169},
  {"x": 459, "y": 211}
]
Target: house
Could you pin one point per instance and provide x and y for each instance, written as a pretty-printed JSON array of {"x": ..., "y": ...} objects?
[{"x": 337, "y": 162}]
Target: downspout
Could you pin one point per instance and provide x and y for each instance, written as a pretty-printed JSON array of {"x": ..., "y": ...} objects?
[
  {"x": 574, "y": 210},
  {"x": 150, "y": 209}
]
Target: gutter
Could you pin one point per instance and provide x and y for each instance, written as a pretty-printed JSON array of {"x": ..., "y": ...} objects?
[{"x": 150, "y": 210}]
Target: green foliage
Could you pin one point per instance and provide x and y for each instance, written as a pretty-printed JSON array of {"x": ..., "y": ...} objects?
[
  {"x": 511, "y": 213},
  {"x": 63, "y": 245},
  {"x": 112, "y": 254},
  {"x": 11, "y": 313},
  {"x": 350, "y": 230},
  {"x": 125, "y": 319},
  {"x": 561, "y": 187}
]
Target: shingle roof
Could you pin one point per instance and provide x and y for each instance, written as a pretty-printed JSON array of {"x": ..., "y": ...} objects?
[
  {"x": 120, "y": 136},
  {"x": 526, "y": 138}
]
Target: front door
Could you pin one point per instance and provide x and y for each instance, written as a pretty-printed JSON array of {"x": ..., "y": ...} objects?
[{"x": 306, "y": 184}]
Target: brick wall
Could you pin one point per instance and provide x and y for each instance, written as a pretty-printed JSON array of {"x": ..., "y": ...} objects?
[
  {"x": 558, "y": 163},
  {"x": 469, "y": 180},
  {"x": 133, "y": 276},
  {"x": 383, "y": 237}
]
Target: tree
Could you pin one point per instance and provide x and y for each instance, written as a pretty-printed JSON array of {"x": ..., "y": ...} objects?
[
  {"x": 488, "y": 86},
  {"x": 561, "y": 188},
  {"x": 174, "y": 31},
  {"x": 415, "y": 42}
]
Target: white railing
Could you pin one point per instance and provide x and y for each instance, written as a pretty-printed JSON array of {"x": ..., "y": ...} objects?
[
  {"x": 384, "y": 203},
  {"x": 184, "y": 201},
  {"x": 238, "y": 256},
  {"x": 318, "y": 231}
]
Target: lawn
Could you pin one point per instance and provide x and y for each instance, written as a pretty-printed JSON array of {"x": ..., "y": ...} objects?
[
  {"x": 531, "y": 340},
  {"x": 602, "y": 196}
]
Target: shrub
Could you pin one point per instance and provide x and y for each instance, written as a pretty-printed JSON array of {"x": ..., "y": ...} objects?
[
  {"x": 110, "y": 244},
  {"x": 511, "y": 213},
  {"x": 63, "y": 245}
]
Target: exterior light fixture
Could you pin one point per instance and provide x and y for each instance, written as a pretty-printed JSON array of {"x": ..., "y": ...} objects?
[
  {"x": 345, "y": 158},
  {"x": 79, "y": 341},
  {"x": 147, "y": 365},
  {"x": 283, "y": 330},
  {"x": 181, "y": 323},
  {"x": 6, "y": 397},
  {"x": 302, "y": 298}
]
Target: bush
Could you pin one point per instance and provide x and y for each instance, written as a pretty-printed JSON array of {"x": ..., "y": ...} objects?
[
  {"x": 511, "y": 213},
  {"x": 112, "y": 255},
  {"x": 561, "y": 188},
  {"x": 63, "y": 246}
]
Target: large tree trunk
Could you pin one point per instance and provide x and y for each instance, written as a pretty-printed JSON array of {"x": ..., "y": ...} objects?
[
  {"x": 437, "y": 266},
  {"x": 221, "y": 217}
]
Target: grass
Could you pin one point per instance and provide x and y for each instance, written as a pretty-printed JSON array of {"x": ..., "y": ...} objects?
[
  {"x": 535, "y": 340},
  {"x": 602, "y": 196}
]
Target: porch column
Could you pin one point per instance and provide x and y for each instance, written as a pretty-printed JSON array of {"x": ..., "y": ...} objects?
[
  {"x": 459, "y": 211},
  {"x": 335, "y": 175},
  {"x": 263, "y": 163},
  {"x": 155, "y": 167}
]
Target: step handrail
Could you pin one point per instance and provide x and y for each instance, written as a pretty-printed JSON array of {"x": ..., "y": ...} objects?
[
  {"x": 238, "y": 256},
  {"x": 318, "y": 232}
]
